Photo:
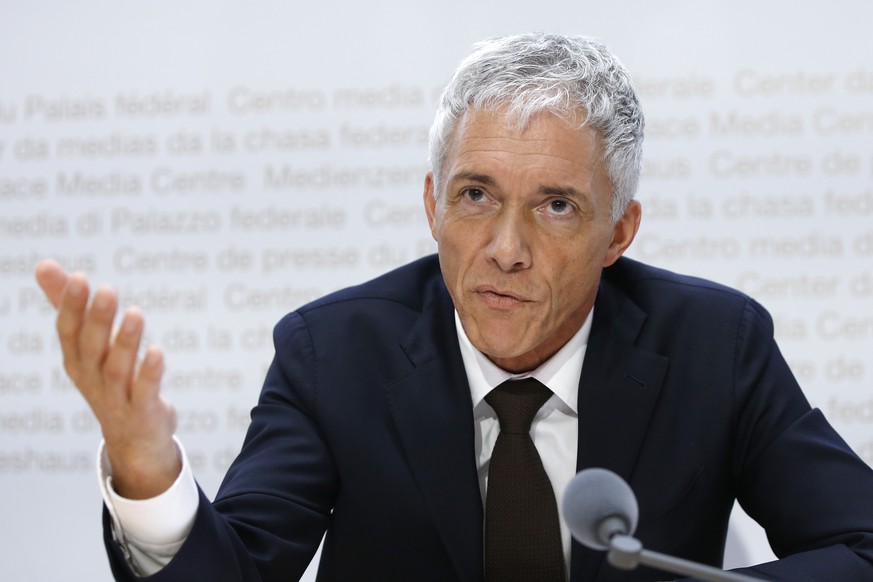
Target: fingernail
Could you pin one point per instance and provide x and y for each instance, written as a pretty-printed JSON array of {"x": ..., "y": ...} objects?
[
  {"x": 128, "y": 325},
  {"x": 76, "y": 288},
  {"x": 101, "y": 301},
  {"x": 152, "y": 358}
]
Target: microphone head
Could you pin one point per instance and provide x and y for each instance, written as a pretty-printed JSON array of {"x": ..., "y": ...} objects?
[{"x": 598, "y": 504}]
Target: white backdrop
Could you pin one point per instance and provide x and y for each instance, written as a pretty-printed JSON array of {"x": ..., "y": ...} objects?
[{"x": 221, "y": 163}]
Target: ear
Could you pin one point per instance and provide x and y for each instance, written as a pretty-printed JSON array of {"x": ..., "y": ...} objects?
[
  {"x": 623, "y": 232},
  {"x": 430, "y": 204}
]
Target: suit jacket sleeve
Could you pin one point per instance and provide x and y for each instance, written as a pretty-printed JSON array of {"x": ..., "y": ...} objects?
[
  {"x": 686, "y": 395},
  {"x": 268, "y": 516},
  {"x": 363, "y": 431},
  {"x": 795, "y": 475}
]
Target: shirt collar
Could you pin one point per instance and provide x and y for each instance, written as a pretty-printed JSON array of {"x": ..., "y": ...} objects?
[{"x": 560, "y": 373}]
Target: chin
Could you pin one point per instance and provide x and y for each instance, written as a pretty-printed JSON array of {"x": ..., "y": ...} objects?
[
  {"x": 498, "y": 336},
  {"x": 502, "y": 350}
]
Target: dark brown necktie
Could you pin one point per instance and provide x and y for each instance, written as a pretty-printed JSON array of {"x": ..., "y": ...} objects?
[{"x": 522, "y": 531}]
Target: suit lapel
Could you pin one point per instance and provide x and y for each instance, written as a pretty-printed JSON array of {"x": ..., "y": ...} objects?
[
  {"x": 432, "y": 411},
  {"x": 618, "y": 391}
]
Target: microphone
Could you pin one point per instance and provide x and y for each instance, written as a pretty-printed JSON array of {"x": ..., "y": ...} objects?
[{"x": 601, "y": 511}]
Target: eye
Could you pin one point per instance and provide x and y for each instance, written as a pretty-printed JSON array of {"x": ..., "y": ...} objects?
[
  {"x": 559, "y": 207},
  {"x": 473, "y": 194}
]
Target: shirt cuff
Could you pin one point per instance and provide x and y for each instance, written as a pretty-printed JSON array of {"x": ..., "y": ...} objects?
[{"x": 157, "y": 526}]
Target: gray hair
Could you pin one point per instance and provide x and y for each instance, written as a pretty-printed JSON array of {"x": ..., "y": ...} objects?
[{"x": 539, "y": 72}]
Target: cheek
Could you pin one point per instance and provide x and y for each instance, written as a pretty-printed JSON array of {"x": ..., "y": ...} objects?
[
  {"x": 571, "y": 280},
  {"x": 454, "y": 254},
  {"x": 457, "y": 239}
]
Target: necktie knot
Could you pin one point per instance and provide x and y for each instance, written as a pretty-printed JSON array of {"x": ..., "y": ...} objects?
[{"x": 516, "y": 402}]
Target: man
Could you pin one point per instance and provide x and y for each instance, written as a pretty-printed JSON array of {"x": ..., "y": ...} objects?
[{"x": 377, "y": 425}]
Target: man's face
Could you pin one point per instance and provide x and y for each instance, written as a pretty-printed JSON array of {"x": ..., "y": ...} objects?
[{"x": 523, "y": 228}]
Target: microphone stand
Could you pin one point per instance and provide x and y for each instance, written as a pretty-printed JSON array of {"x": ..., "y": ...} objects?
[{"x": 626, "y": 553}]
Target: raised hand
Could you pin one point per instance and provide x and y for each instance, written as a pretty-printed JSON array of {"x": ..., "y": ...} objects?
[{"x": 123, "y": 392}]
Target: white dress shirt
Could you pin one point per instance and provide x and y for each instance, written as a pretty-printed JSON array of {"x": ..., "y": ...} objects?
[{"x": 151, "y": 531}]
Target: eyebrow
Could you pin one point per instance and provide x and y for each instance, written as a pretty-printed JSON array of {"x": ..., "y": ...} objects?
[
  {"x": 474, "y": 177},
  {"x": 486, "y": 180},
  {"x": 564, "y": 191}
]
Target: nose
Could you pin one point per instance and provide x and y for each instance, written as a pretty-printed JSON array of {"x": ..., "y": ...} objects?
[{"x": 509, "y": 247}]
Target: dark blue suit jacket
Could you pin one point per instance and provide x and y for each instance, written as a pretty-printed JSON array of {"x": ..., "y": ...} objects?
[{"x": 364, "y": 429}]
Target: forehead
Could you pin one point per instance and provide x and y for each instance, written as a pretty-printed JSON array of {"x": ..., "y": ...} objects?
[{"x": 543, "y": 141}]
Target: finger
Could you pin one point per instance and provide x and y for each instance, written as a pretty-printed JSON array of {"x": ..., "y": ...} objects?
[
  {"x": 51, "y": 278},
  {"x": 96, "y": 332},
  {"x": 147, "y": 383},
  {"x": 120, "y": 364},
  {"x": 71, "y": 310},
  {"x": 170, "y": 416}
]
